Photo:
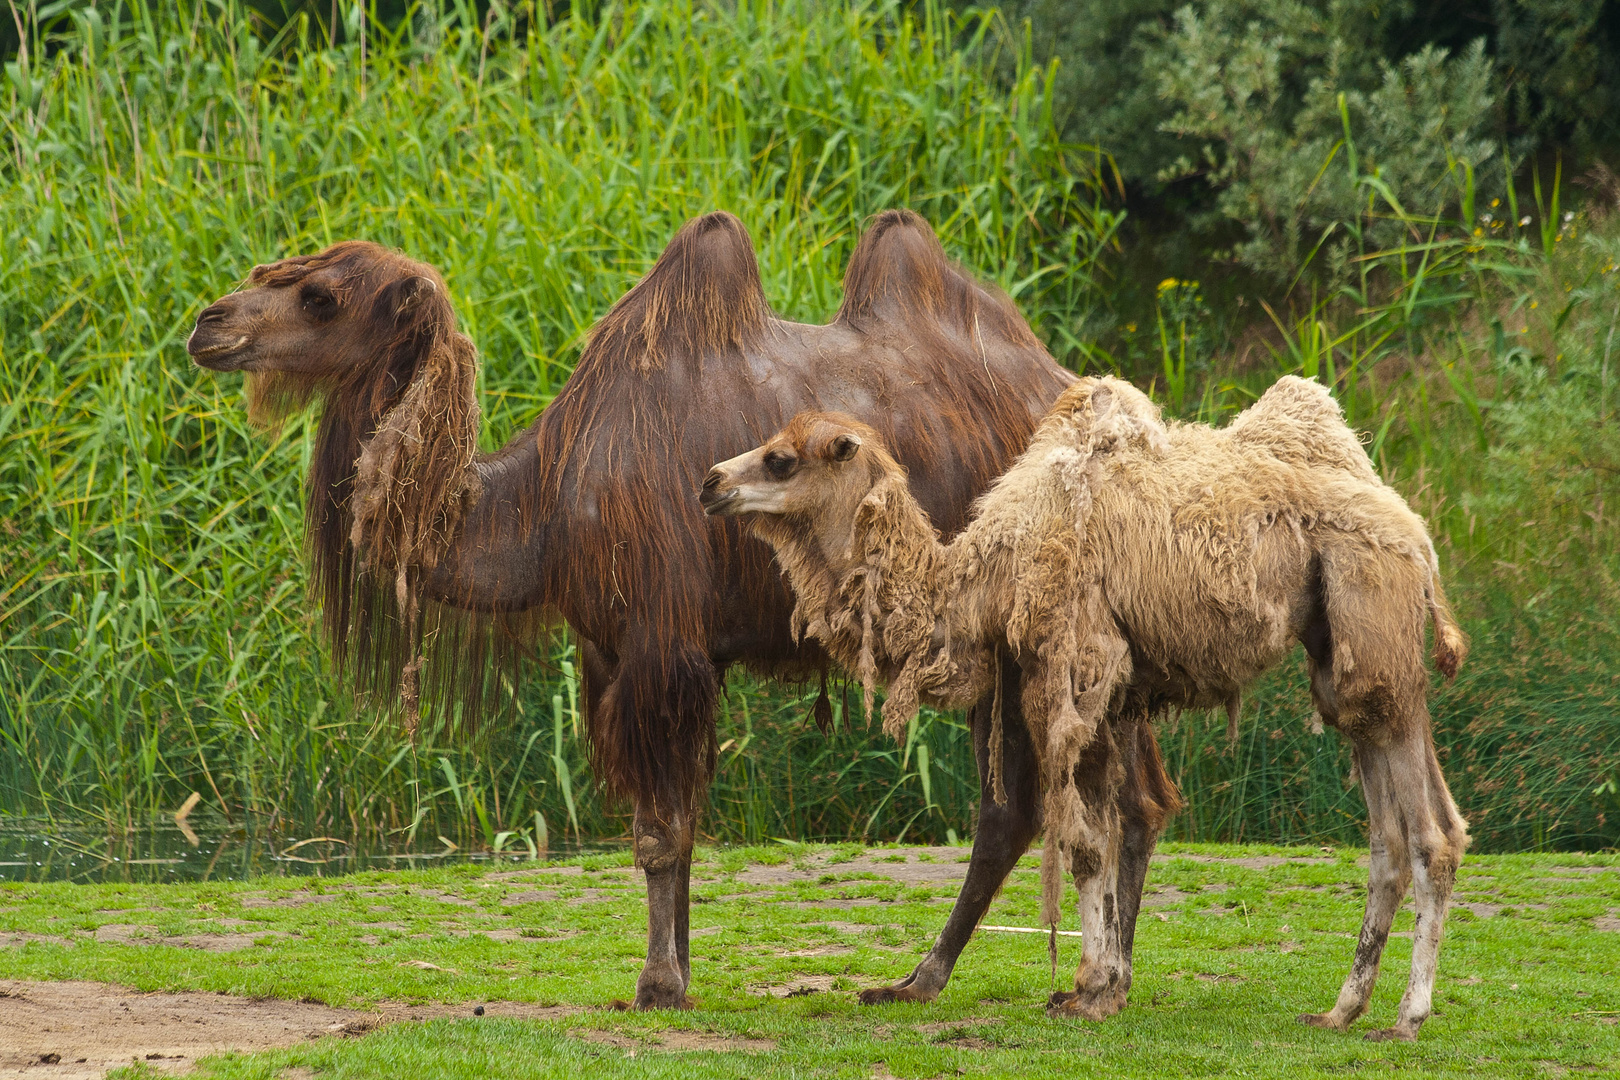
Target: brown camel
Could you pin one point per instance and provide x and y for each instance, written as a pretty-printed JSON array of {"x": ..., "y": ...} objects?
[
  {"x": 424, "y": 547},
  {"x": 1131, "y": 567}
]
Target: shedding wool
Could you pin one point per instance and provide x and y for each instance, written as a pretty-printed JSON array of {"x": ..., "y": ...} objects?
[{"x": 1130, "y": 565}]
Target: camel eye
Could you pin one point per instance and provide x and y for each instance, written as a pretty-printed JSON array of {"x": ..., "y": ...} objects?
[
  {"x": 780, "y": 464},
  {"x": 318, "y": 301}
]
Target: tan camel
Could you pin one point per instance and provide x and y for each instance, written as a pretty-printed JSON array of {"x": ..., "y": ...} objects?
[{"x": 1133, "y": 566}]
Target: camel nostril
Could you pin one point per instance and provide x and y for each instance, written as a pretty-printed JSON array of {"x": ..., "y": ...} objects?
[
  {"x": 712, "y": 481},
  {"x": 211, "y": 315}
]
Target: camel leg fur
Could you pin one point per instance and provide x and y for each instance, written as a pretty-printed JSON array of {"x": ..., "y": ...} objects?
[
  {"x": 1103, "y": 979},
  {"x": 1415, "y": 833},
  {"x": 664, "y": 852},
  {"x": 664, "y": 849},
  {"x": 1146, "y": 800},
  {"x": 1003, "y": 835}
]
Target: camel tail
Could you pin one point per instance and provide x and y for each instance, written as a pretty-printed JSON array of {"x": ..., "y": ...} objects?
[{"x": 1450, "y": 643}]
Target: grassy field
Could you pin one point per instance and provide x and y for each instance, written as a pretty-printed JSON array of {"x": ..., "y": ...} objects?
[
  {"x": 155, "y": 634},
  {"x": 1233, "y": 943}
]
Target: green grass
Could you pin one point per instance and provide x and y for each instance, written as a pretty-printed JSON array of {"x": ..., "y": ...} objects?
[{"x": 1226, "y": 956}]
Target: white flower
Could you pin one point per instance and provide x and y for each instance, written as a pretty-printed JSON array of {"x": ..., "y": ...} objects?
[{"x": 1524, "y": 221}]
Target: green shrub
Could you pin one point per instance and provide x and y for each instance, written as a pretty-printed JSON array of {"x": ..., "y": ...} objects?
[
  {"x": 1219, "y": 112},
  {"x": 1418, "y": 134}
]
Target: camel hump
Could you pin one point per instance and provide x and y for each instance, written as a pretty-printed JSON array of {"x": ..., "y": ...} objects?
[
  {"x": 899, "y": 273},
  {"x": 1298, "y": 421},
  {"x": 1102, "y": 411},
  {"x": 703, "y": 297}
]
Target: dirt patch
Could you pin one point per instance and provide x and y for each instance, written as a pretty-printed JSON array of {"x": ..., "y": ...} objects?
[
  {"x": 1606, "y": 922},
  {"x": 528, "y": 896},
  {"x": 129, "y": 934},
  {"x": 909, "y": 866},
  {"x": 1479, "y": 908},
  {"x": 298, "y": 899},
  {"x": 19, "y": 938},
  {"x": 676, "y": 1041},
  {"x": 1163, "y": 896},
  {"x": 821, "y": 950},
  {"x": 90, "y": 1027},
  {"x": 803, "y": 986},
  {"x": 942, "y": 1026}
]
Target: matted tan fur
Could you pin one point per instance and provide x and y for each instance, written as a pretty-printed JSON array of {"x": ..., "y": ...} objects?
[{"x": 1133, "y": 566}]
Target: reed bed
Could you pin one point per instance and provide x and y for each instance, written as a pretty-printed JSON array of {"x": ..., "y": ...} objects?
[
  {"x": 155, "y": 636},
  {"x": 155, "y": 633}
]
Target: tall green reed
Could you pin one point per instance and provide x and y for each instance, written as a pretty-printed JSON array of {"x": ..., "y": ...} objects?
[{"x": 155, "y": 636}]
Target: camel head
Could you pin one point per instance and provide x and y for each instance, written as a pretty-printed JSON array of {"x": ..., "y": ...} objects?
[
  {"x": 356, "y": 313},
  {"x": 809, "y": 477},
  {"x": 393, "y": 472}
]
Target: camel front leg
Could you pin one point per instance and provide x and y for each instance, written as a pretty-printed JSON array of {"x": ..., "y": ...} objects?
[
  {"x": 664, "y": 850},
  {"x": 683, "y": 919},
  {"x": 1147, "y": 798},
  {"x": 1103, "y": 980},
  {"x": 1003, "y": 835},
  {"x": 1386, "y": 886}
]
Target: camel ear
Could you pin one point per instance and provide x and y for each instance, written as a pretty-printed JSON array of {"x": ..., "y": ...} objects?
[
  {"x": 412, "y": 291},
  {"x": 844, "y": 446}
]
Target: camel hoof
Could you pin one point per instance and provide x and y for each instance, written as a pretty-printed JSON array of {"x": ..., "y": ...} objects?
[
  {"x": 1067, "y": 1004},
  {"x": 1325, "y": 1021},
  {"x": 884, "y": 995},
  {"x": 650, "y": 1000},
  {"x": 1393, "y": 1034}
]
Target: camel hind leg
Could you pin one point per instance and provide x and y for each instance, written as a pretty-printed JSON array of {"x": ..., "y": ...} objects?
[
  {"x": 1435, "y": 836},
  {"x": 1003, "y": 835},
  {"x": 1386, "y": 887},
  {"x": 1369, "y": 680}
]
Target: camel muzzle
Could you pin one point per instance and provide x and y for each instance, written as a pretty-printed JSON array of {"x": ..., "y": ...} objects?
[
  {"x": 715, "y": 500},
  {"x": 210, "y": 343}
]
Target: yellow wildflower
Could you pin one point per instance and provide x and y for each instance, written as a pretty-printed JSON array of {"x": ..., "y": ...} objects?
[{"x": 1167, "y": 284}]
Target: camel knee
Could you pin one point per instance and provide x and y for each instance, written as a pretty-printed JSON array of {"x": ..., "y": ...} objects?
[
  {"x": 1437, "y": 856},
  {"x": 657, "y": 852},
  {"x": 662, "y": 844}
]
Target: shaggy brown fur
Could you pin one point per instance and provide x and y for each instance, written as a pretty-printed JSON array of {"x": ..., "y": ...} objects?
[
  {"x": 589, "y": 513},
  {"x": 1132, "y": 566}
]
